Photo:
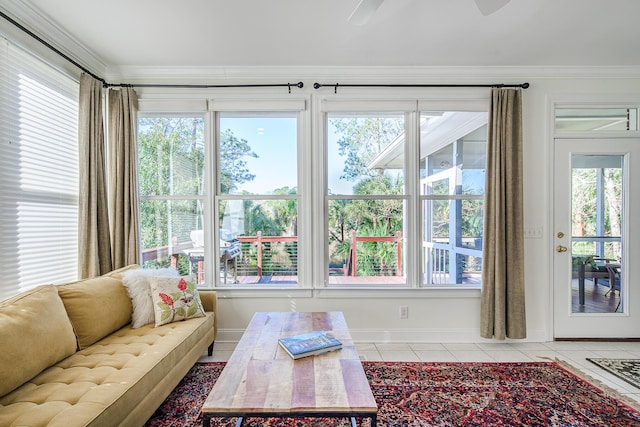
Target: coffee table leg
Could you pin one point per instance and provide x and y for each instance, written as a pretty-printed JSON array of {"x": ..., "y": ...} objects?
[{"x": 373, "y": 418}]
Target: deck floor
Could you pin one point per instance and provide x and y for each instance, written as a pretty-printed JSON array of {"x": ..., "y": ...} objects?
[{"x": 597, "y": 298}]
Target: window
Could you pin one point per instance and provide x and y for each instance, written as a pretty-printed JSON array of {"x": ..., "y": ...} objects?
[
  {"x": 366, "y": 198},
  {"x": 397, "y": 194},
  {"x": 257, "y": 198},
  {"x": 403, "y": 210},
  {"x": 611, "y": 119},
  {"x": 453, "y": 149},
  {"x": 38, "y": 172},
  {"x": 171, "y": 152},
  {"x": 221, "y": 185}
]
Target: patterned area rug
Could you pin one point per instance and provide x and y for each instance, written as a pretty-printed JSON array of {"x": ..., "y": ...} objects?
[
  {"x": 626, "y": 369},
  {"x": 439, "y": 394}
]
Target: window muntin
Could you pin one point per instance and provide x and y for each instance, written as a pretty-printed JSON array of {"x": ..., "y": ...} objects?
[
  {"x": 604, "y": 119},
  {"x": 452, "y": 179},
  {"x": 258, "y": 199},
  {"x": 366, "y": 199},
  {"x": 171, "y": 174}
]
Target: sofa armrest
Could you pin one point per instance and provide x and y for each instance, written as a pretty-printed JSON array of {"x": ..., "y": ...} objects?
[
  {"x": 210, "y": 304},
  {"x": 209, "y": 300}
]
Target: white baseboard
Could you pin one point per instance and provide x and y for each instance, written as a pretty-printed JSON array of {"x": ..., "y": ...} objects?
[{"x": 408, "y": 336}]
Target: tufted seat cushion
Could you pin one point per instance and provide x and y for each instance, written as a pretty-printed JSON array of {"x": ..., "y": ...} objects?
[{"x": 111, "y": 379}]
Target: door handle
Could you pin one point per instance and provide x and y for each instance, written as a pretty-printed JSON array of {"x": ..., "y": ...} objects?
[{"x": 561, "y": 248}]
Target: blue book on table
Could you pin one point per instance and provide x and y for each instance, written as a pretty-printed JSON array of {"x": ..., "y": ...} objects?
[{"x": 309, "y": 344}]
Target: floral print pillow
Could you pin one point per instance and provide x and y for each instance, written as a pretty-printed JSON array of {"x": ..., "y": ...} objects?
[{"x": 174, "y": 299}]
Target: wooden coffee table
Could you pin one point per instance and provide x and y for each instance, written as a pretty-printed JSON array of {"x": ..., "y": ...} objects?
[{"x": 262, "y": 380}]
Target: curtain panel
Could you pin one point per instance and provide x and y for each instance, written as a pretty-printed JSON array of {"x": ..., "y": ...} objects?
[
  {"x": 123, "y": 181},
  {"x": 94, "y": 244},
  {"x": 502, "y": 307}
]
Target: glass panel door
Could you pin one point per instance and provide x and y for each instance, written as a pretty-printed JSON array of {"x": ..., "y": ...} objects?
[{"x": 594, "y": 295}]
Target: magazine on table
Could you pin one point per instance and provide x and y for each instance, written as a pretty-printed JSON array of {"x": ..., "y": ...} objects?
[{"x": 309, "y": 344}]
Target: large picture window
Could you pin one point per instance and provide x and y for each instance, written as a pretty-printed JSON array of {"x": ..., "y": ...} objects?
[
  {"x": 404, "y": 196},
  {"x": 397, "y": 195},
  {"x": 219, "y": 191}
]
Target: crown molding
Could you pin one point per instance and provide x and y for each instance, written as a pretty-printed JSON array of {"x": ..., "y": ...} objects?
[
  {"x": 32, "y": 18},
  {"x": 41, "y": 25},
  {"x": 364, "y": 74}
]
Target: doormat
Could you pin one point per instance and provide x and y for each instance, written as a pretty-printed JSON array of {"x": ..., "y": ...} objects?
[
  {"x": 625, "y": 369},
  {"x": 439, "y": 394}
]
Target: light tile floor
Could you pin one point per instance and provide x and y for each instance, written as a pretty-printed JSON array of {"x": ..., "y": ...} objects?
[{"x": 573, "y": 352}]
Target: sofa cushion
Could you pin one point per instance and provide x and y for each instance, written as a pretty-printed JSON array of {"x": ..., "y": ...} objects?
[
  {"x": 138, "y": 284},
  {"x": 106, "y": 383},
  {"x": 117, "y": 273},
  {"x": 35, "y": 333},
  {"x": 96, "y": 307},
  {"x": 175, "y": 299}
]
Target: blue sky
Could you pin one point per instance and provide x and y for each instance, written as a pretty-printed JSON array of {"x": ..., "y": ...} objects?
[{"x": 273, "y": 139}]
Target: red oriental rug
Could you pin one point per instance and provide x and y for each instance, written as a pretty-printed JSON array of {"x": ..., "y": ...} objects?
[{"x": 440, "y": 394}]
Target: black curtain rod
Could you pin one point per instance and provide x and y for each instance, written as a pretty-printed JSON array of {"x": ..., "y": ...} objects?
[
  {"x": 496, "y": 85},
  {"x": 104, "y": 82},
  {"x": 187, "y": 86},
  {"x": 47, "y": 44}
]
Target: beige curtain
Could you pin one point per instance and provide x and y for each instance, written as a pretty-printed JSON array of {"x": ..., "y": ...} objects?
[
  {"x": 123, "y": 181},
  {"x": 94, "y": 246},
  {"x": 503, "y": 301}
]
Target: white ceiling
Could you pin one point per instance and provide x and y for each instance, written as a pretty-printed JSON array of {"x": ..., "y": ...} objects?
[{"x": 239, "y": 33}]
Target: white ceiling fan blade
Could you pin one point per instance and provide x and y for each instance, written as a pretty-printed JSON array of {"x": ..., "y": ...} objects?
[
  {"x": 487, "y": 7},
  {"x": 364, "y": 11}
]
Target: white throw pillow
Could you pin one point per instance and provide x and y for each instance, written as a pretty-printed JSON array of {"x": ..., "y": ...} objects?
[
  {"x": 137, "y": 282},
  {"x": 175, "y": 299}
]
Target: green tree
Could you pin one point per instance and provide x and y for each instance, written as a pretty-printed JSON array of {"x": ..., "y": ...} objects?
[
  {"x": 233, "y": 166},
  {"x": 361, "y": 140}
]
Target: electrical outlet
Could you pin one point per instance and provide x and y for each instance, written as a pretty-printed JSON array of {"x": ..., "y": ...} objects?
[{"x": 404, "y": 312}]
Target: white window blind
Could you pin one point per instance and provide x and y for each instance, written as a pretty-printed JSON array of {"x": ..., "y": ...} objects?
[{"x": 38, "y": 172}]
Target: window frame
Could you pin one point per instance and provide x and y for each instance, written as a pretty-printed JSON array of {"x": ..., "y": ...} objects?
[
  {"x": 412, "y": 109},
  {"x": 173, "y": 109},
  {"x": 261, "y": 108},
  {"x": 312, "y": 184}
]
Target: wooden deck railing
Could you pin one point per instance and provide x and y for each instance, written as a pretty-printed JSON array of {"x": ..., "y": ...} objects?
[
  {"x": 351, "y": 268},
  {"x": 259, "y": 239},
  {"x": 175, "y": 250}
]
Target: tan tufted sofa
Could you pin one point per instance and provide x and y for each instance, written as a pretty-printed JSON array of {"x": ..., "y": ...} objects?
[{"x": 69, "y": 357}]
